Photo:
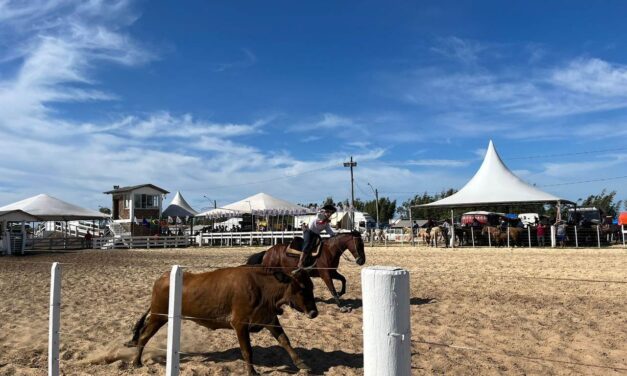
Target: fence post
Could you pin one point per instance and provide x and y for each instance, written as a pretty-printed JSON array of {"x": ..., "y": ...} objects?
[
  {"x": 386, "y": 326},
  {"x": 472, "y": 235},
  {"x": 553, "y": 238},
  {"x": 576, "y": 238},
  {"x": 508, "y": 235},
  {"x": 174, "y": 321},
  {"x": 598, "y": 237},
  {"x": 489, "y": 240},
  {"x": 622, "y": 228},
  {"x": 529, "y": 234},
  {"x": 54, "y": 320}
]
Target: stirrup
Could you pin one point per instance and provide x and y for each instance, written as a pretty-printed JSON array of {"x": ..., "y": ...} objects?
[{"x": 296, "y": 270}]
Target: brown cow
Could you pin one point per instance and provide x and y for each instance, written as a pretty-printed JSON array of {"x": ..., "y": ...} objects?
[{"x": 242, "y": 298}]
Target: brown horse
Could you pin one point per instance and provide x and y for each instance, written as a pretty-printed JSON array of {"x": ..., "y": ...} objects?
[
  {"x": 326, "y": 263},
  {"x": 500, "y": 236}
]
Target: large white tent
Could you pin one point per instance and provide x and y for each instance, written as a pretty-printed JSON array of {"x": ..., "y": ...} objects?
[
  {"x": 179, "y": 208},
  {"x": 495, "y": 184},
  {"x": 259, "y": 204},
  {"x": 48, "y": 208}
]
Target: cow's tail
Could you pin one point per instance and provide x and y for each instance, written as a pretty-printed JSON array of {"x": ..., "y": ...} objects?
[
  {"x": 256, "y": 258},
  {"x": 137, "y": 330}
]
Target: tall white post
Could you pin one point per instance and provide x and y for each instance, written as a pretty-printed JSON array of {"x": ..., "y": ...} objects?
[
  {"x": 576, "y": 238},
  {"x": 174, "y": 321},
  {"x": 553, "y": 237},
  {"x": 452, "y": 230},
  {"x": 54, "y": 320},
  {"x": 529, "y": 234},
  {"x": 507, "y": 235},
  {"x": 622, "y": 228},
  {"x": 598, "y": 237},
  {"x": 490, "y": 240},
  {"x": 387, "y": 332},
  {"x": 472, "y": 235}
]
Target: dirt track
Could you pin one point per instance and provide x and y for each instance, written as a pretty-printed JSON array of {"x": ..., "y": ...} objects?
[{"x": 527, "y": 311}]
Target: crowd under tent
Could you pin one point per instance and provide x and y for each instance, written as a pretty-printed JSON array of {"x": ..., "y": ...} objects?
[
  {"x": 261, "y": 204},
  {"x": 495, "y": 184},
  {"x": 179, "y": 208}
]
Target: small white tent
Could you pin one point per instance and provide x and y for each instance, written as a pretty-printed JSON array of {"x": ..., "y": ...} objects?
[
  {"x": 179, "y": 208},
  {"x": 494, "y": 183},
  {"x": 48, "y": 208},
  {"x": 259, "y": 204}
]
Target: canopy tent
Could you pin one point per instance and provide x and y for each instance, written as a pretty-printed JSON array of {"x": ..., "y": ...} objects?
[
  {"x": 495, "y": 184},
  {"x": 17, "y": 216},
  {"x": 179, "y": 208},
  {"x": 259, "y": 204},
  {"x": 48, "y": 208}
]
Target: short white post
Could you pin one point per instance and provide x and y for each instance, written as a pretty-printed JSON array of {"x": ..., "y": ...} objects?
[
  {"x": 553, "y": 237},
  {"x": 529, "y": 234},
  {"x": 54, "y": 320},
  {"x": 174, "y": 321},
  {"x": 598, "y": 237},
  {"x": 576, "y": 238},
  {"x": 472, "y": 235},
  {"x": 386, "y": 327}
]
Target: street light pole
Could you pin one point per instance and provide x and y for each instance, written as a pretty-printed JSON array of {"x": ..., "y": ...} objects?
[
  {"x": 376, "y": 196},
  {"x": 352, "y": 164}
]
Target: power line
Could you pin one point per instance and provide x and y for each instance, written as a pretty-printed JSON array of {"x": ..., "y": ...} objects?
[
  {"x": 565, "y": 154},
  {"x": 584, "y": 181}
]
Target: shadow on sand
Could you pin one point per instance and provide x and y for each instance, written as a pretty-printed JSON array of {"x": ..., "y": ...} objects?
[{"x": 276, "y": 357}]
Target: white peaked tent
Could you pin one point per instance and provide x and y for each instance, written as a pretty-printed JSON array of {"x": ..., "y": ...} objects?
[
  {"x": 494, "y": 184},
  {"x": 179, "y": 208},
  {"x": 48, "y": 208},
  {"x": 259, "y": 204}
]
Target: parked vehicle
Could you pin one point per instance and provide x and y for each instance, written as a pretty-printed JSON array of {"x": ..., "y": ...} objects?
[
  {"x": 529, "y": 218},
  {"x": 591, "y": 215}
]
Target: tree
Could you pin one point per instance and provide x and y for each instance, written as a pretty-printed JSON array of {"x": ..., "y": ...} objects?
[
  {"x": 328, "y": 201},
  {"x": 105, "y": 210},
  {"x": 603, "y": 201}
]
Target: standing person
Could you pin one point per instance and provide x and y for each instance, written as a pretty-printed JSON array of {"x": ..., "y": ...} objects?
[
  {"x": 540, "y": 230},
  {"x": 312, "y": 232},
  {"x": 561, "y": 233},
  {"x": 446, "y": 228},
  {"x": 88, "y": 238}
]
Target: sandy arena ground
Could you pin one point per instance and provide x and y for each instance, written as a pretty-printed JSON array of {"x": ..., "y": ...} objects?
[{"x": 499, "y": 311}]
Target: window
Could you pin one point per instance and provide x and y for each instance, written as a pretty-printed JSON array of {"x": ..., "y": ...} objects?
[
  {"x": 127, "y": 201},
  {"x": 143, "y": 201}
]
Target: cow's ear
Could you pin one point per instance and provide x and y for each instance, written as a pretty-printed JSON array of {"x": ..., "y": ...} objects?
[{"x": 282, "y": 277}]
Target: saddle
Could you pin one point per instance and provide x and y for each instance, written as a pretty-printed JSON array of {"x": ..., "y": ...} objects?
[{"x": 295, "y": 247}]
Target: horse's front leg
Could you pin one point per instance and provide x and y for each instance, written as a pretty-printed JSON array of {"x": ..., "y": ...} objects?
[
  {"x": 326, "y": 277},
  {"x": 339, "y": 277}
]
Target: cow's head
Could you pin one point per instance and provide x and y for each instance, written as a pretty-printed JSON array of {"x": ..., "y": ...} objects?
[{"x": 299, "y": 295}]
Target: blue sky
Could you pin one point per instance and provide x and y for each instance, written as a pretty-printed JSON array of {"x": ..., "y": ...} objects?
[{"x": 227, "y": 99}]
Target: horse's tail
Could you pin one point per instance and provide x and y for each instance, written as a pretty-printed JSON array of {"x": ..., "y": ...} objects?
[
  {"x": 256, "y": 258},
  {"x": 137, "y": 330}
]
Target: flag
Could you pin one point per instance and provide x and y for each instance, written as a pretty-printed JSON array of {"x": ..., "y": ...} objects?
[
  {"x": 178, "y": 220},
  {"x": 136, "y": 220},
  {"x": 170, "y": 220},
  {"x": 145, "y": 222}
]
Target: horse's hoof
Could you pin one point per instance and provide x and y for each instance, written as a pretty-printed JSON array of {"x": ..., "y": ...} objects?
[
  {"x": 302, "y": 366},
  {"x": 137, "y": 364},
  {"x": 130, "y": 344},
  {"x": 346, "y": 309}
]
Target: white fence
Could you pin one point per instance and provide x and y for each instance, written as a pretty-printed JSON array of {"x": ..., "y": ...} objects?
[
  {"x": 129, "y": 242},
  {"x": 230, "y": 239}
]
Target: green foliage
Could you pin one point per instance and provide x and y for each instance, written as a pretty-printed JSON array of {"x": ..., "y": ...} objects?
[
  {"x": 105, "y": 210},
  {"x": 387, "y": 208},
  {"x": 603, "y": 201},
  {"x": 328, "y": 201}
]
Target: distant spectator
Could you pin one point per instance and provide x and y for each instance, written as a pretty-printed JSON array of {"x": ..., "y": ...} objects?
[
  {"x": 88, "y": 239},
  {"x": 561, "y": 233},
  {"x": 540, "y": 230}
]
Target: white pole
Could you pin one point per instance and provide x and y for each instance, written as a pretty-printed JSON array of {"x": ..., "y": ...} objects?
[
  {"x": 622, "y": 227},
  {"x": 452, "y": 230},
  {"x": 598, "y": 237},
  {"x": 54, "y": 320},
  {"x": 472, "y": 235},
  {"x": 489, "y": 240},
  {"x": 507, "y": 235},
  {"x": 529, "y": 234},
  {"x": 553, "y": 238},
  {"x": 174, "y": 321},
  {"x": 576, "y": 240},
  {"x": 386, "y": 327}
]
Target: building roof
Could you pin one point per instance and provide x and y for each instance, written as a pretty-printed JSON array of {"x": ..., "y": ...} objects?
[
  {"x": 179, "y": 207},
  {"x": 17, "y": 216},
  {"x": 495, "y": 184},
  {"x": 134, "y": 187},
  {"x": 259, "y": 204},
  {"x": 48, "y": 208}
]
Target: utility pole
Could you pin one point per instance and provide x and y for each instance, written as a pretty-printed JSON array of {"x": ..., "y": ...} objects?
[
  {"x": 376, "y": 196},
  {"x": 352, "y": 164}
]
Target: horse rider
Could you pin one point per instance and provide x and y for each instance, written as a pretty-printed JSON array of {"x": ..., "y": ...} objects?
[{"x": 312, "y": 232}]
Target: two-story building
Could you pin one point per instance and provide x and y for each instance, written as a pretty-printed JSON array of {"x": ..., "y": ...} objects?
[{"x": 138, "y": 201}]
